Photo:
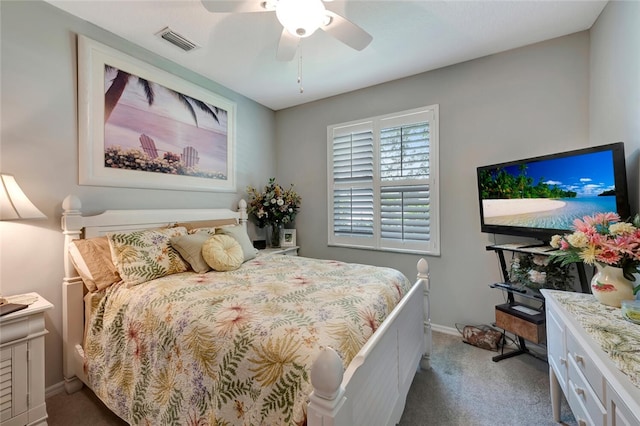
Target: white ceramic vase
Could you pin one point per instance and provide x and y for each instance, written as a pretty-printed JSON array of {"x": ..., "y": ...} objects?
[{"x": 610, "y": 286}]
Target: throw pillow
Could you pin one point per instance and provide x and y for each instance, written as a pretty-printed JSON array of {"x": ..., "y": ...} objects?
[
  {"x": 239, "y": 233},
  {"x": 190, "y": 248},
  {"x": 92, "y": 260},
  {"x": 141, "y": 256},
  {"x": 222, "y": 253}
]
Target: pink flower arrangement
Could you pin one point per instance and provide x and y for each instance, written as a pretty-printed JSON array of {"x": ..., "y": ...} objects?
[{"x": 602, "y": 239}]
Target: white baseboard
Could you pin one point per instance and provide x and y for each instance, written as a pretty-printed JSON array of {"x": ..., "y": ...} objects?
[
  {"x": 54, "y": 390},
  {"x": 444, "y": 329}
]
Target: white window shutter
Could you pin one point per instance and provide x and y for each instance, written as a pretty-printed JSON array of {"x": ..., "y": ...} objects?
[{"x": 382, "y": 175}]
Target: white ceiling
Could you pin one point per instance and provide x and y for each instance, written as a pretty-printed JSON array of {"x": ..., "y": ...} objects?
[{"x": 409, "y": 37}]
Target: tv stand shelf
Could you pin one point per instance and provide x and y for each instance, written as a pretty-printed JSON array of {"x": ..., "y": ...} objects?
[
  {"x": 525, "y": 321},
  {"x": 540, "y": 249}
]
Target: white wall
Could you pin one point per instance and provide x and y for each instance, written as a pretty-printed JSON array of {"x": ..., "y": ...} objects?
[
  {"x": 525, "y": 102},
  {"x": 614, "y": 102},
  {"x": 40, "y": 143}
]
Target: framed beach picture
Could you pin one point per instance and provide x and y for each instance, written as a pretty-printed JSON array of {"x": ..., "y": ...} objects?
[
  {"x": 142, "y": 127},
  {"x": 288, "y": 238}
]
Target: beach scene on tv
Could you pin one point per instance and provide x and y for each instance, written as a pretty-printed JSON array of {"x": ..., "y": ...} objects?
[{"x": 548, "y": 193}]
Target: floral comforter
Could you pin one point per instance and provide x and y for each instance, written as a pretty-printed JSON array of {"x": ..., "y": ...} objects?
[{"x": 232, "y": 348}]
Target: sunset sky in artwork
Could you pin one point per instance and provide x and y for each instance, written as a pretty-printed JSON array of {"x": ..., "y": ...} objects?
[{"x": 168, "y": 122}]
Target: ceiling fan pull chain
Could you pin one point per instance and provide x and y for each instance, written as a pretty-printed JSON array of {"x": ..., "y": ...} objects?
[{"x": 300, "y": 69}]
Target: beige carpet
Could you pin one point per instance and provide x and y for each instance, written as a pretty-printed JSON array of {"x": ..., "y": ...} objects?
[{"x": 463, "y": 387}]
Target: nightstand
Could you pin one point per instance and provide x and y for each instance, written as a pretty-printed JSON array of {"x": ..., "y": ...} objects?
[
  {"x": 22, "y": 365},
  {"x": 287, "y": 251}
]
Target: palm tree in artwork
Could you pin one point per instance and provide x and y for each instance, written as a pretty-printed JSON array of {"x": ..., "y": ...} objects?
[
  {"x": 122, "y": 78},
  {"x": 112, "y": 95}
]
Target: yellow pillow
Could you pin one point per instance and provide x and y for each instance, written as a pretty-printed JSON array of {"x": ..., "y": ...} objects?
[{"x": 222, "y": 253}]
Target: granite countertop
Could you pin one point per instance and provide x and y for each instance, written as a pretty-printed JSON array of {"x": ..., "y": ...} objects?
[{"x": 617, "y": 337}]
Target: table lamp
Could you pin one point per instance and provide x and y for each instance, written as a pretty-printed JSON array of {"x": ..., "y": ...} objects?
[{"x": 15, "y": 205}]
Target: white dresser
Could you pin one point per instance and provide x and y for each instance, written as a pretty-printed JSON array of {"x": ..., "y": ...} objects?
[
  {"x": 594, "y": 359},
  {"x": 22, "y": 365}
]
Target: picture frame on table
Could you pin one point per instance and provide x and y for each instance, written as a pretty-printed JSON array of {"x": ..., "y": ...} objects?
[
  {"x": 288, "y": 238},
  {"x": 143, "y": 127}
]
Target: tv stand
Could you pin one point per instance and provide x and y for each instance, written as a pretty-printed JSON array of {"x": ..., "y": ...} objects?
[{"x": 525, "y": 320}]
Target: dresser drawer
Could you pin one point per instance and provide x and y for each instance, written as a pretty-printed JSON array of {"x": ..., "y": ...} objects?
[
  {"x": 14, "y": 330},
  {"x": 556, "y": 353},
  {"x": 586, "y": 366},
  {"x": 582, "y": 394}
]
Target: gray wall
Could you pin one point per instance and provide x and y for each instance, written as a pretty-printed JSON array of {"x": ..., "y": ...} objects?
[
  {"x": 614, "y": 104},
  {"x": 40, "y": 144},
  {"x": 525, "y": 102}
]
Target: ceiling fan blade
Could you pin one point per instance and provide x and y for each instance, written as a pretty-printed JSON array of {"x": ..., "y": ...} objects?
[
  {"x": 237, "y": 6},
  {"x": 347, "y": 32},
  {"x": 287, "y": 46}
]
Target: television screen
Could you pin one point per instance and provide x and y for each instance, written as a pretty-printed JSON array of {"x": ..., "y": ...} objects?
[{"x": 542, "y": 196}]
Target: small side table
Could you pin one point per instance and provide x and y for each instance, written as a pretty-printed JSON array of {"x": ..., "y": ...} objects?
[
  {"x": 287, "y": 251},
  {"x": 22, "y": 364}
]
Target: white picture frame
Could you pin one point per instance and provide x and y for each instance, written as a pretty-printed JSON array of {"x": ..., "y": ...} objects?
[
  {"x": 288, "y": 238},
  {"x": 184, "y": 133}
]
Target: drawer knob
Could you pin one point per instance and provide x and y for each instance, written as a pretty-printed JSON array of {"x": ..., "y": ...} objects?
[
  {"x": 563, "y": 360},
  {"x": 582, "y": 423},
  {"x": 579, "y": 359},
  {"x": 580, "y": 391}
]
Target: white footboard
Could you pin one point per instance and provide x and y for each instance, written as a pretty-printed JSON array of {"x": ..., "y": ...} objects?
[{"x": 373, "y": 389}]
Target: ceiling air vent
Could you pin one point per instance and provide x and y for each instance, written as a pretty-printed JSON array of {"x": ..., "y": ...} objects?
[{"x": 177, "y": 39}]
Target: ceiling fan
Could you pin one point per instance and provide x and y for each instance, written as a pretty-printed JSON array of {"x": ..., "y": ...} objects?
[{"x": 300, "y": 18}]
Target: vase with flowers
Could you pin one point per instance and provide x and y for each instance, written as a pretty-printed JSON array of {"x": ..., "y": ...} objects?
[
  {"x": 274, "y": 207},
  {"x": 612, "y": 246}
]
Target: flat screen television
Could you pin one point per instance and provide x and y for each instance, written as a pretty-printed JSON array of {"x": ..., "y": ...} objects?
[{"x": 542, "y": 196}]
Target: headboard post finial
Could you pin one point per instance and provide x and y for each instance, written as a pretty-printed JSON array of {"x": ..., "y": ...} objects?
[
  {"x": 242, "y": 209},
  {"x": 71, "y": 222},
  {"x": 71, "y": 203}
]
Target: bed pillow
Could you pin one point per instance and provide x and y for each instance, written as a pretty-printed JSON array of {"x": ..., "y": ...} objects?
[
  {"x": 190, "y": 248},
  {"x": 222, "y": 253},
  {"x": 92, "y": 260},
  {"x": 209, "y": 231},
  {"x": 239, "y": 233},
  {"x": 141, "y": 256}
]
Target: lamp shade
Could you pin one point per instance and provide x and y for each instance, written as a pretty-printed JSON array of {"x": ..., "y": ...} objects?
[
  {"x": 300, "y": 17},
  {"x": 14, "y": 204}
]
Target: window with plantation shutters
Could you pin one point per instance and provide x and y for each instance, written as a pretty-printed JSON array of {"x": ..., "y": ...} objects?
[{"x": 382, "y": 182}]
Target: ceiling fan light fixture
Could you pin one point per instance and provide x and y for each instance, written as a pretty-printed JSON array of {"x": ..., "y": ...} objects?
[{"x": 301, "y": 17}]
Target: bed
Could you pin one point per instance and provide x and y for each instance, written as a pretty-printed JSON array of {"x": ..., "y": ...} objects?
[{"x": 355, "y": 380}]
